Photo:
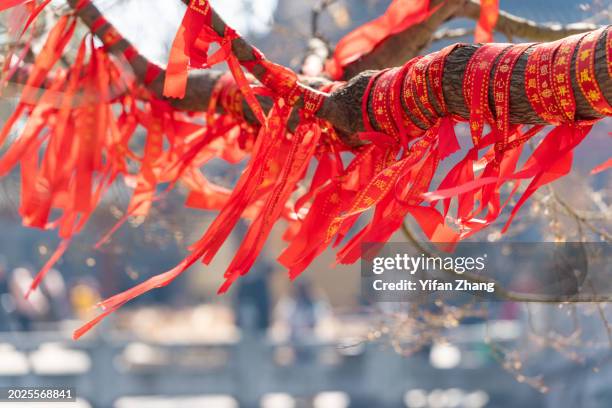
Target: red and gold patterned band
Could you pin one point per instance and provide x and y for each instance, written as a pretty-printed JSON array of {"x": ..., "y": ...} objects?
[
  {"x": 313, "y": 101},
  {"x": 501, "y": 92},
  {"x": 409, "y": 97},
  {"x": 544, "y": 81},
  {"x": 476, "y": 87},
  {"x": 562, "y": 76},
  {"x": 419, "y": 87},
  {"x": 585, "y": 73},
  {"x": 382, "y": 100},
  {"x": 98, "y": 24},
  {"x": 436, "y": 75},
  {"x": 609, "y": 52},
  {"x": 367, "y": 97},
  {"x": 407, "y": 128}
]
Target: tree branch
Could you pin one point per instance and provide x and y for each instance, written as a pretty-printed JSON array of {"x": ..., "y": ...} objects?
[
  {"x": 409, "y": 43},
  {"x": 513, "y": 26},
  {"x": 399, "y": 48},
  {"x": 342, "y": 108}
]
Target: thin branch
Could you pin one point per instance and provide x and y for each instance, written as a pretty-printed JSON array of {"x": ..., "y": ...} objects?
[
  {"x": 578, "y": 217},
  {"x": 451, "y": 34},
  {"x": 514, "y": 26},
  {"x": 411, "y": 42},
  {"x": 315, "y": 17},
  {"x": 319, "y": 49}
]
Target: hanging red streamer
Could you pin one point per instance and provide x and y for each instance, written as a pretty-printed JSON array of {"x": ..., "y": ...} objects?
[
  {"x": 399, "y": 16},
  {"x": 489, "y": 13}
]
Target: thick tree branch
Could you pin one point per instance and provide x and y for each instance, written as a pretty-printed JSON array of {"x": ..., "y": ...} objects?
[{"x": 343, "y": 107}]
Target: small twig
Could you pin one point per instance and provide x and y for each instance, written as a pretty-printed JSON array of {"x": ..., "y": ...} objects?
[
  {"x": 451, "y": 34},
  {"x": 580, "y": 218},
  {"x": 315, "y": 17},
  {"x": 602, "y": 315}
]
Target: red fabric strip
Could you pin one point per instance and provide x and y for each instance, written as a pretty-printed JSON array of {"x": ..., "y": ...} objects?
[
  {"x": 399, "y": 16},
  {"x": 184, "y": 51},
  {"x": 501, "y": 89},
  {"x": 476, "y": 87},
  {"x": 489, "y": 12},
  {"x": 562, "y": 76},
  {"x": 539, "y": 84},
  {"x": 585, "y": 73}
]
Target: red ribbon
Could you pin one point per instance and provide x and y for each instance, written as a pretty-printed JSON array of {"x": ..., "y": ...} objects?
[
  {"x": 489, "y": 12},
  {"x": 399, "y": 16},
  {"x": 585, "y": 72},
  {"x": 186, "y": 51}
]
